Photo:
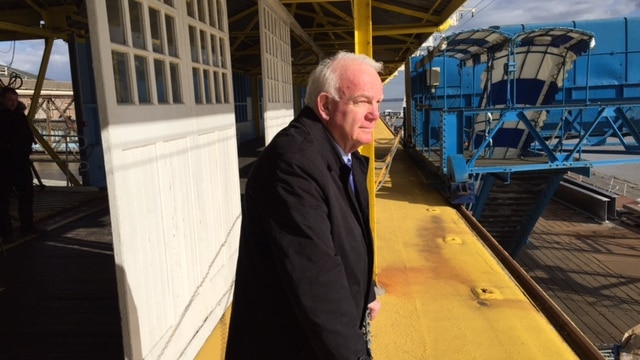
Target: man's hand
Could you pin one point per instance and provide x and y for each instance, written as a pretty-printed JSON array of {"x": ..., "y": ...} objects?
[{"x": 374, "y": 307}]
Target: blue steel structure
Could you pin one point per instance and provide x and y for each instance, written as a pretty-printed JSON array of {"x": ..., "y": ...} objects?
[{"x": 504, "y": 113}]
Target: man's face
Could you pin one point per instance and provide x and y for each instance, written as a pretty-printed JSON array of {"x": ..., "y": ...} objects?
[
  {"x": 9, "y": 101},
  {"x": 352, "y": 118}
]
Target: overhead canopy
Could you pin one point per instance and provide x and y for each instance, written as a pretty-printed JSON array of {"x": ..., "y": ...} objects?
[
  {"x": 399, "y": 28},
  {"x": 319, "y": 28},
  {"x": 37, "y": 19}
]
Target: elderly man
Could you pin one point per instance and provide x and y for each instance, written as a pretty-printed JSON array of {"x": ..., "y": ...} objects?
[{"x": 304, "y": 282}]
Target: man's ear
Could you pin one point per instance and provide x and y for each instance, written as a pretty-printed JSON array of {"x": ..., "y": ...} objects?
[{"x": 324, "y": 106}]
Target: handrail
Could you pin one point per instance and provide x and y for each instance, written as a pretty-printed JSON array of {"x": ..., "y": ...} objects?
[
  {"x": 63, "y": 163},
  {"x": 384, "y": 172}
]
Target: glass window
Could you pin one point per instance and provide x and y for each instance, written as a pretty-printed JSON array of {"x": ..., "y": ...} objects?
[
  {"x": 176, "y": 92},
  {"x": 202, "y": 14},
  {"x": 114, "y": 18},
  {"x": 121, "y": 77},
  {"x": 193, "y": 43},
  {"x": 142, "y": 79},
  {"x": 213, "y": 16},
  {"x": 190, "y": 10},
  {"x": 155, "y": 24},
  {"x": 225, "y": 89},
  {"x": 203, "y": 48},
  {"x": 137, "y": 24},
  {"x": 221, "y": 15},
  {"x": 214, "y": 50},
  {"x": 172, "y": 46},
  {"x": 207, "y": 86},
  {"x": 223, "y": 63},
  {"x": 196, "y": 85},
  {"x": 161, "y": 81},
  {"x": 216, "y": 85},
  {"x": 169, "y": 2}
]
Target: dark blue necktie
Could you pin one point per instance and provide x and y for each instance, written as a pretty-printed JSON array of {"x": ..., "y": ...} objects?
[{"x": 348, "y": 162}]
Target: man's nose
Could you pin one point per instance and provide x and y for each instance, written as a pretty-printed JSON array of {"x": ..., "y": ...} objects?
[{"x": 374, "y": 114}]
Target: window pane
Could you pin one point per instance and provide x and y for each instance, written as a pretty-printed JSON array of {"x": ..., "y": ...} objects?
[
  {"x": 221, "y": 15},
  {"x": 121, "y": 77},
  {"x": 137, "y": 25},
  {"x": 190, "y": 10},
  {"x": 214, "y": 50},
  {"x": 176, "y": 91},
  {"x": 171, "y": 35},
  {"x": 223, "y": 63},
  {"x": 202, "y": 15},
  {"x": 193, "y": 43},
  {"x": 213, "y": 17},
  {"x": 216, "y": 84},
  {"x": 142, "y": 79},
  {"x": 207, "y": 86},
  {"x": 203, "y": 48},
  {"x": 155, "y": 23},
  {"x": 161, "y": 81},
  {"x": 225, "y": 89},
  {"x": 196, "y": 85},
  {"x": 169, "y": 2},
  {"x": 114, "y": 17}
]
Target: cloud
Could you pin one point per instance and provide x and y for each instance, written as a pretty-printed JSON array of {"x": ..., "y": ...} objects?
[
  {"x": 510, "y": 12},
  {"x": 27, "y": 56}
]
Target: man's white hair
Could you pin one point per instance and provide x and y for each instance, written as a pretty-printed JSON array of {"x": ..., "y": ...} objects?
[{"x": 324, "y": 77}]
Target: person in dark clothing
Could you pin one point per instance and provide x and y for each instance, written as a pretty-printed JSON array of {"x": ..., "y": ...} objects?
[
  {"x": 304, "y": 278},
  {"x": 16, "y": 140}
]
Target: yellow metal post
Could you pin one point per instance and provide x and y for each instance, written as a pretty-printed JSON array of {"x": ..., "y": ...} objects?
[{"x": 363, "y": 32}]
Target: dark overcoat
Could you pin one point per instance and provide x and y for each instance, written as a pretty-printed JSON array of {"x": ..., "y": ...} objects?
[{"x": 305, "y": 262}]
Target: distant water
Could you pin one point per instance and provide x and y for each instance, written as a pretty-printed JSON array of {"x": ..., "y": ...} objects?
[{"x": 393, "y": 105}]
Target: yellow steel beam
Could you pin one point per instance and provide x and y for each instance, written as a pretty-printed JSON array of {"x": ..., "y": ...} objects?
[
  {"x": 240, "y": 15},
  {"x": 37, "y": 90},
  {"x": 410, "y": 29},
  {"x": 294, "y": 26},
  {"x": 405, "y": 11},
  {"x": 380, "y": 30},
  {"x": 248, "y": 31},
  {"x": 364, "y": 45},
  {"x": 26, "y": 23},
  {"x": 33, "y": 31}
]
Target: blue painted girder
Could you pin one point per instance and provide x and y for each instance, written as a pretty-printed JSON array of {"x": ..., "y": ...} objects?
[{"x": 565, "y": 156}]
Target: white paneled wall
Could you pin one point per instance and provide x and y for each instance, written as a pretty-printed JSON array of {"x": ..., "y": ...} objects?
[{"x": 172, "y": 170}]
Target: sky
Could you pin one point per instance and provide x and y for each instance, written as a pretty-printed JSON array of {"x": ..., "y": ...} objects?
[
  {"x": 27, "y": 55},
  {"x": 510, "y": 12}
]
